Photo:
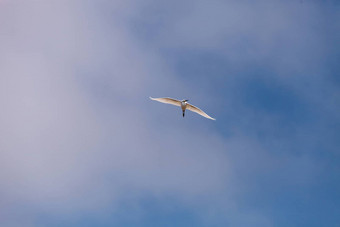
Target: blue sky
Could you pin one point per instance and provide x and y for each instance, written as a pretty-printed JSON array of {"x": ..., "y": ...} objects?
[{"x": 81, "y": 144}]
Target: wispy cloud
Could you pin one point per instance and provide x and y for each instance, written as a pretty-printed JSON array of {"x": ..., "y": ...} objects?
[{"x": 80, "y": 136}]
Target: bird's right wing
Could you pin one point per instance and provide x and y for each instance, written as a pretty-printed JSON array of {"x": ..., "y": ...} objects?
[
  {"x": 167, "y": 101},
  {"x": 198, "y": 110}
]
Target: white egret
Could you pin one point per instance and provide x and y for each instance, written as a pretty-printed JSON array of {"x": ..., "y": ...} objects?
[{"x": 184, "y": 105}]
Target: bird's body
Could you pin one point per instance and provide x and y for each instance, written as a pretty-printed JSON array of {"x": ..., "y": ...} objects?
[{"x": 184, "y": 105}]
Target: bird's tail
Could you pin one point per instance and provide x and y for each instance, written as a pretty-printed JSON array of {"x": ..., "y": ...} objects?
[{"x": 183, "y": 112}]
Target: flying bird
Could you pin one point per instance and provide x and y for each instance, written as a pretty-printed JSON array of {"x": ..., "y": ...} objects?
[{"x": 184, "y": 105}]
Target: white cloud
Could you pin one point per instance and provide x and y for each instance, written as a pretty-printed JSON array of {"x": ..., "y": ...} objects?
[
  {"x": 78, "y": 131},
  {"x": 64, "y": 150}
]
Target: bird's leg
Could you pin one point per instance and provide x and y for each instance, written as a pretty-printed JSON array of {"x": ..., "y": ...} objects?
[{"x": 183, "y": 112}]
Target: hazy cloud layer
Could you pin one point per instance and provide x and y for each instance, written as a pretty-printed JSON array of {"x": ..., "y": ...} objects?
[{"x": 81, "y": 144}]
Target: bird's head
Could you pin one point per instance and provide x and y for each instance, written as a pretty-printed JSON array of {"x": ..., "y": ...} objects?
[{"x": 185, "y": 100}]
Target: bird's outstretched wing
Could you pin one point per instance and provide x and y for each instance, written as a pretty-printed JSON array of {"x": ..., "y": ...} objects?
[
  {"x": 167, "y": 101},
  {"x": 198, "y": 110}
]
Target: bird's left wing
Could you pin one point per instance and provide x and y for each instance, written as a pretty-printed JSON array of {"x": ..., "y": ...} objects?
[
  {"x": 167, "y": 101},
  {"x": 198, "y": 110}
]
